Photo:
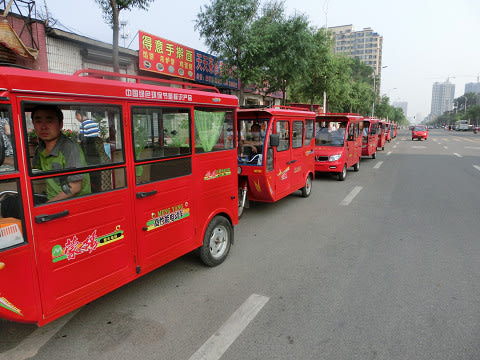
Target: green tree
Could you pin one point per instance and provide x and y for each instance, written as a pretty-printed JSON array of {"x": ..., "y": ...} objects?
[
  {"x": 225, "y": 25},
  {"x": 287, "y": 44},
  {"x": 111, "y": 12}
]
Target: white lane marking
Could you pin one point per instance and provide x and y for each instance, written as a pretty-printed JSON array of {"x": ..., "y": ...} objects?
[
  {"x": 418, "y": 147},
  {"x": 388, "y": 153},
  {"x": 457, "y": 155},
  {"x": 377, "y": 165},
  {"x": 472, "y": 147},
  {"x": 215, "y": 347},
  {"x": 348, "y": 199},
  {"x": 476, "y": 167},
  {"x": 29, "y": 347},
  {"x": 394, "y": 146},
  {"x": 445, "y": 147}
]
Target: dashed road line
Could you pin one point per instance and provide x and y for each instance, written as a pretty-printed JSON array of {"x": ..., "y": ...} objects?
[
  {"x": 378, "y": 164},
  {"x": 349, "y": 198},
  {"x": 476, "y": 167},
  {"x": 445, "y": 147},
  {"x": 215, "y": 347},
  {"x": 388, "y": 153},
  {"x": 457, "y": 155}
]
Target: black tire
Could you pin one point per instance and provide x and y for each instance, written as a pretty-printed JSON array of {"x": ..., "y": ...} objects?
[
  {"x": 383, "y": 147},
  {"x": 217, "y": 241},
  {"x": 374, "y": 155},
  {"x": 356, "y": 167},
  {"x": 343, "y": 175},
  {"x": 307, "y": 189}
]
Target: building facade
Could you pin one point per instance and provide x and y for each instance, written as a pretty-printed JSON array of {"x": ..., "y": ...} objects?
[
  {"x": 472, "y": 87},
  {"x": 365, "y": 45},
  {"x": 442, "y": 97},
  {"x": 402, "y": 105}
]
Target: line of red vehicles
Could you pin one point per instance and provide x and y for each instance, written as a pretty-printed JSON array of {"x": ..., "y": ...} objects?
[{"x": 162, "y": 181}]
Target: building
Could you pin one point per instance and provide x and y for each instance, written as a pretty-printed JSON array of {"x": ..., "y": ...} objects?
[
  {"x": 402, "y": 105},
  {"x": 31, "y": 43},
  {"x": 472, "y": 87},
  {"x": 442, "y": 97},
  {"x": 365, "y": 45}
]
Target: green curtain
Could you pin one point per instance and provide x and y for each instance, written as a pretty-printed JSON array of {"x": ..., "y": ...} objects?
[{"x": 208, "y": 126}]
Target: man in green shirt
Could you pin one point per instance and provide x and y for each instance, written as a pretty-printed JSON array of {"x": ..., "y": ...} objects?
[{"x": 56, "y": 152}]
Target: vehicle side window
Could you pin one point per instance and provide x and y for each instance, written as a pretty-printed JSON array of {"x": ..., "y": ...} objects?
[
  {"x": 79, "y": 147},
  {"x": 309, "y": 131},
  {"x": 213, "y": 130},
  {"x": 297, "y": 134},
  {"x": 7, "y": 145},
  {"x": 351, "y": 131},
  {"x": 11, "y": 216},
  {"x": 161, "y": 134},
  {"x": 283, "y": 131}
]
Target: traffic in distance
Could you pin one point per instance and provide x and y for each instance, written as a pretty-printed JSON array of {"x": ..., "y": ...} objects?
[{"x": 103, "y": 181}]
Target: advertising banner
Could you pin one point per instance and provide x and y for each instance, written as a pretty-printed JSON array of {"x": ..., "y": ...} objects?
[
  {"x": 208, "y": 70},
  {"x": 165, "y": 57}
]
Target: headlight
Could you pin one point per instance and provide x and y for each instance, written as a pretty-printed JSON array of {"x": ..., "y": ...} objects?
[{"x": 334, "y": 157}]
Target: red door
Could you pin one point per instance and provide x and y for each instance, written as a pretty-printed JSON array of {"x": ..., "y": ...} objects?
[
  {"x": 283, "y": 167},
  {"x": 163, "y": 191}
]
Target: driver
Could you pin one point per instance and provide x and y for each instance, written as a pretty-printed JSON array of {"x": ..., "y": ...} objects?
[
  {"x": 55, "y": 151},
  {"x": 255, "y": 141}
]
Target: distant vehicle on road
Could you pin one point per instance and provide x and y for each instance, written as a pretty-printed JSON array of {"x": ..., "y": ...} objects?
[
  {"x": 420, "y": 132},
  {"x": 462, "y": 125}
]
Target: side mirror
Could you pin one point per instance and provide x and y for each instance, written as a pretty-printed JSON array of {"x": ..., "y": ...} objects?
[{"x": 274, "y": 140}]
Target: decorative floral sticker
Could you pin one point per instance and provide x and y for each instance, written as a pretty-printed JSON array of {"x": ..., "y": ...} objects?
[
  {"x": 168, "y": 216},
  {"x": 215, "y": 174},
  {"x": 9, "y": 306},
  {"x": 284, "y": 174},
  {"x": 73, "y": 247}
]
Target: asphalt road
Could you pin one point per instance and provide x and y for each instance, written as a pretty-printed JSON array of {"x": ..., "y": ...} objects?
[{"x": 385, "y": 265}]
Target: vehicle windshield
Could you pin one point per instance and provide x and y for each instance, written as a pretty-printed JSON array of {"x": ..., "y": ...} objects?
[
  {"x": 251, "y": 135},
  {"x": 419, "y": 128},
  {"x": 330, "y": 133}
]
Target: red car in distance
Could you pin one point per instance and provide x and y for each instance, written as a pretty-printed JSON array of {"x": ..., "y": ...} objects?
[{"x": 419, "y": 132}]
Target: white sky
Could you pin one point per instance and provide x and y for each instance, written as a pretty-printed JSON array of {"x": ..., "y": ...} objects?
[{"x": 423, "y": 40}]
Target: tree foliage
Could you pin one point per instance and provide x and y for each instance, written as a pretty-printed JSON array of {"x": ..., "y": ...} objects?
[
  {"x": 111, "y": 12},
  {"x": 226, "y": 25}
]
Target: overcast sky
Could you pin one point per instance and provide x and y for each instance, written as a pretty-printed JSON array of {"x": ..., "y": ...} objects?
[{"x": 424, "y": 41}]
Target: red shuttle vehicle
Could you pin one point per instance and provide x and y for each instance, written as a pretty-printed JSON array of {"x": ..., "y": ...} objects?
[
  {"x": 370, "y": 137},
  {"x": 275, "y": 153},
  {"x": 381, "y": 135},
  {"x": 338, "y": 143},
  {"x": 156, "y": 181}
]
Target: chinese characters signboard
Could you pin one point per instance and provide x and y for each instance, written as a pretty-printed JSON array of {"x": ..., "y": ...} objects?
[
  {"x": 208, "y": 70},
  {"x": 165, "y": 57}
]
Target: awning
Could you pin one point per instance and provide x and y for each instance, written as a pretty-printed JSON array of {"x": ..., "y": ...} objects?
[{"x": 10, "y": 39}]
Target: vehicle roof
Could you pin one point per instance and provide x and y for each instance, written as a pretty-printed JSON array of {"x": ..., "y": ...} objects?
[
  {"x": 341, "y": 117},
  {"x": 14, "y": 80},
  {"x": 274, "y": 111}
]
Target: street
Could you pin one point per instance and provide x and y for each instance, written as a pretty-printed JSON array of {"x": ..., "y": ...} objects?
[{"x": 384, "y": 265}]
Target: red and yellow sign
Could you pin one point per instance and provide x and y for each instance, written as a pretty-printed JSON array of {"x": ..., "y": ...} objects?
[{"x": 165, "y": 57}]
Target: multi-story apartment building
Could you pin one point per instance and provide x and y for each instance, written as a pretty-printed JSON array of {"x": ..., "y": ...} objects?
[
  {"x": 472, "y": 87},
  {"x": 365, "y": 45},
  {"x": 442, "y": 97}
]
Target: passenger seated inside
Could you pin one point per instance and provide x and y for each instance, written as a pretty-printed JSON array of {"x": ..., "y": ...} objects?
[
  {"x": 55, "y": 151},
  {"x": 254, "y": 141},
  {"x": 338, "y": 136}
]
